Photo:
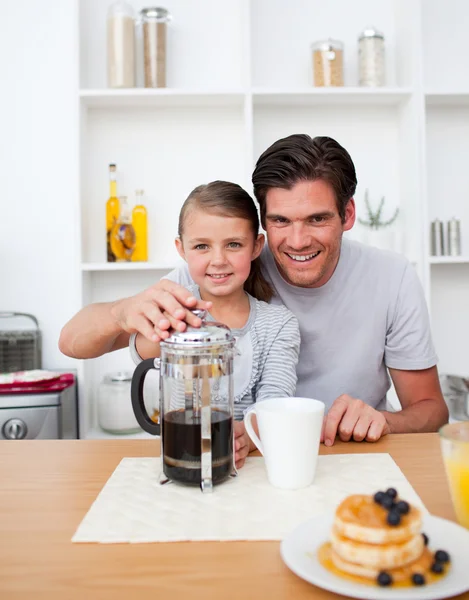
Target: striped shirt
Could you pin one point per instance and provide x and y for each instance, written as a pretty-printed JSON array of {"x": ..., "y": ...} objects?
[{"x": 267, "y": 351}]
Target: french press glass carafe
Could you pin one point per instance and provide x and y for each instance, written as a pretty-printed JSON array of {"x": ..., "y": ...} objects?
[{"x": 196, "y": 403}]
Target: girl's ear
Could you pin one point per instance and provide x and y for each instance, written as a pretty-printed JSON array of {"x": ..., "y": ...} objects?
[
  {"x": 180, "y": 248},
  {"x": 258, "y": 245}
]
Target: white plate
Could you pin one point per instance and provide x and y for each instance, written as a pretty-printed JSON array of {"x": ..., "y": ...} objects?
[
  {"x": 33, "y": 376},
  {"x": 299, "y": 552}
]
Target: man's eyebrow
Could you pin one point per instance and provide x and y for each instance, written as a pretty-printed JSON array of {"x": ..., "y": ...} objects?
[{"x": 324, "y": 213}]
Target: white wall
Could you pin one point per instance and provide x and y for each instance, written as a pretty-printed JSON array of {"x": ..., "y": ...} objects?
[{"x": 39, "y": 165}]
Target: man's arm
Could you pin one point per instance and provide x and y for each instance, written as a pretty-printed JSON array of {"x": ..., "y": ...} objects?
[
  {"x": 423, "y": 405},
  {"x": 92, "y": 332},
  {"x": 104, "y": 327}
]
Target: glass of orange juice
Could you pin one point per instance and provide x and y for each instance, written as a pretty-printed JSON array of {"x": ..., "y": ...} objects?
[{"x": 455, "y": 447}]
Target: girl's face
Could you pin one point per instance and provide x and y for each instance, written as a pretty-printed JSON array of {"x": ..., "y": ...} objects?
[{"x": 218, "y": 251}]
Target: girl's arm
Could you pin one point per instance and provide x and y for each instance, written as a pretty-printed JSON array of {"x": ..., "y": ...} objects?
[{"x": 278, "y": 377}]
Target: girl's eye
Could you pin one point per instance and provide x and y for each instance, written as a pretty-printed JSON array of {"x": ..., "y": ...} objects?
[
  {"x": 234, "y": 245},
  {"x": 201, "y": 247}
]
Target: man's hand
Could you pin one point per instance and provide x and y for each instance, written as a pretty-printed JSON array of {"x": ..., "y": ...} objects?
[
  {"x": 350, "y": 418},
  {"x": 243, "y": 444},
  {"x": 157, "y": 310}
]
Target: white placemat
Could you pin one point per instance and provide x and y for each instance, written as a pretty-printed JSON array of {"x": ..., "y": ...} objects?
[{"x": 134, "y": 507}]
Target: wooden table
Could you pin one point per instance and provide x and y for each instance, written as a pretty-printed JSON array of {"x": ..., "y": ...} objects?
[{"x": 46, "y": 488}]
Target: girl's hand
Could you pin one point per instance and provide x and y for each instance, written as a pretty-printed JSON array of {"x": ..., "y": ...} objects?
[
  {"x": 157, "y": 310},
  {"x": 242, "y": 444}
]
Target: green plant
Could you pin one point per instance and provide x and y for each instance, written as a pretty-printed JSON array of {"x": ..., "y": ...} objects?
[{"x": 374, "y": 217}]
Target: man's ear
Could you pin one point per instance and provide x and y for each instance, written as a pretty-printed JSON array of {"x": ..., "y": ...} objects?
[{"x": 350, "y": 215}]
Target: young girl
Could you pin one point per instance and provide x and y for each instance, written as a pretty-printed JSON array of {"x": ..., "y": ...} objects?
[{"x": 219, "y": 240}]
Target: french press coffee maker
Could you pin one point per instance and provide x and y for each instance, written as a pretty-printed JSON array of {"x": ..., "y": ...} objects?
[{"x": 196, "y": 403}]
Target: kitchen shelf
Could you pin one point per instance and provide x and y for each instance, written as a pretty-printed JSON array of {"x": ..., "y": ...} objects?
[
  {"x": 164, "y": 97},
  {"x": 340, "y": 96},
  {"x": 449, "y": 260},
  {"x": 142, "y": 97},
  {"x": 447, "y": 98},
  {"x": 409, "y": 140},
  {"x": 128, "y": 266}
]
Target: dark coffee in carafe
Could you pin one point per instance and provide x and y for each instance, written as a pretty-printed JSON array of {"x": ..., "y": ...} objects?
[{"x": 181, "y": 431}]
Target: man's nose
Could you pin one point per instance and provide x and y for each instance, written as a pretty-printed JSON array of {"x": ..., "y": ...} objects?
[{"x": 299, "y": 238}]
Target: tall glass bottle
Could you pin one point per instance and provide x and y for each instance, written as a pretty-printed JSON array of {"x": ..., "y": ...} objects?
[
  {"x": 140, "y": 225},
  {"x": 112, "y": 211},
  {"x": 123, "y": 234}
]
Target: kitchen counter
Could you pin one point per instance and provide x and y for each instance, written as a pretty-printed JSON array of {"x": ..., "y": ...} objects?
[{"x": 48, "y": 486}]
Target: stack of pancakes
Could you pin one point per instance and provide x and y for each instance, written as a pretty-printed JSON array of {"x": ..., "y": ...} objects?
[{"x": 365, "y": 544}]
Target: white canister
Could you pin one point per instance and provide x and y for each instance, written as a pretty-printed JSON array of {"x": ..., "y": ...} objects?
[
  {"x": 371, "y": 65},
  {"x": 121, "y": 45},
  {"x": 115, "y": 412}
]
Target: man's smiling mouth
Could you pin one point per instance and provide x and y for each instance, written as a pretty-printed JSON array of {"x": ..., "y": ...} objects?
[{"x": 302, "y": 257}]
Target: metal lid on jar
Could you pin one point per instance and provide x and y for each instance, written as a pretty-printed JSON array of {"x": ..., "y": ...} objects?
[
  {"x": 156, "y": 13},
  {"x": 210, "y": 333},
  {"x": 328, "y": 45},
  {"x": 118, "y": 377},
  {"x": 371, "y": 32}
]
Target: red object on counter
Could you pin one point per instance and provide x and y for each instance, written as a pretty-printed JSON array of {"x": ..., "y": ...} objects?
[{"x": 50, "y": 385}]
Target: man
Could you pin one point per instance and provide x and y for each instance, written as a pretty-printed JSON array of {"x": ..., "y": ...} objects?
[{"x": 361, "y": 311}]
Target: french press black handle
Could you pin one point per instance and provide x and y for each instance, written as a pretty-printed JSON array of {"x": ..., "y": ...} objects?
[{"x": 138, "y": 379}]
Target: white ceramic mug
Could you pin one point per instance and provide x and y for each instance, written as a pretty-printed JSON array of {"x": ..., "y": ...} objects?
[{"x": 290, "y": 431}]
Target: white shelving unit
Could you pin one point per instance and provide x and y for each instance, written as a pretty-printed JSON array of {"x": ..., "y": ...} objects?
[{"x": 240, "y": 77}]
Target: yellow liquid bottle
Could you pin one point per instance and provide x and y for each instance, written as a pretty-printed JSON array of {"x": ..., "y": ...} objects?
[
  {"x": 112, "y": 211},
  {"x": 140, "y": 225},
  {"x": 123, "y": 234}
]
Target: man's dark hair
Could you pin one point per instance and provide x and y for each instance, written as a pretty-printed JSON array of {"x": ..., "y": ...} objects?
[{"x": 298, "y": 158}]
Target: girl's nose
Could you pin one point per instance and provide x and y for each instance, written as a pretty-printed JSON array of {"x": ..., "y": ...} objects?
[{"x": 218, "y": 258}]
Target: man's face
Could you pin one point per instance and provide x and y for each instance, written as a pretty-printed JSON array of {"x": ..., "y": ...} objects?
[{"x": 304, "y": 231}]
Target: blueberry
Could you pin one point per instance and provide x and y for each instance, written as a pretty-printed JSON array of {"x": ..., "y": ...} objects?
[
  {"x": 441, "y": 556},
  {"x": 387, "y": 502},
  {"x": 384, "y": 579},
  {"x": 402, "y": 507},
  {"x": 392, "y": 493},
  {"x": 394, "y": 518},
  {"x": 378, "y": 497},
  {"x": 437, "y": 567},
  {"x": 418, "y": 579},
  {"x": 425, "y": 539}
]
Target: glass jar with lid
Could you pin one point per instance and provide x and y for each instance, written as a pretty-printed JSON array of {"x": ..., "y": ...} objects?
[
  {"x": 115, "y": 412},
  {"x": 328, "y": 63},
  {"x": 121, "y": 45},
  {"x": 154, "y": 21},
  {"x": 371, "y": 58}
]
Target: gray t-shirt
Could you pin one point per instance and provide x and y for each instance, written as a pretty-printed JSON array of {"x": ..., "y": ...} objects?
[{"x": 369, "y": 316}]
